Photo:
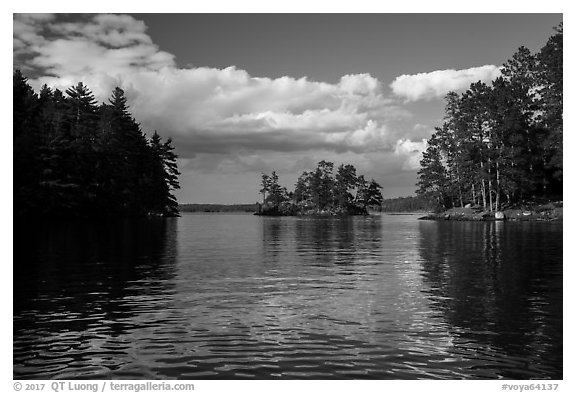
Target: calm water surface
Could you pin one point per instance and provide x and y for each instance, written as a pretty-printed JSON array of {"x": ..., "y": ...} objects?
[{"x": 239, "y": 296}]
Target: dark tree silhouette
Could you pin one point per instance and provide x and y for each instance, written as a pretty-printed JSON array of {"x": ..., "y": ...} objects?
[
  {"x": 321, "y": 192},
  {"x": 73, "y": 157}
]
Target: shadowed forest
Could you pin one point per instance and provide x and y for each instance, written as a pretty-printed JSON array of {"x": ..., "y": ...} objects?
[{"x": 75, "y": 158}]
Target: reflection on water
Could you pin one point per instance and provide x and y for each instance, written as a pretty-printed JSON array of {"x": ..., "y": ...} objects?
[
  {"x": 239, "y": 296},
  {"x": 499, "y": 285},
  {"x": 78, "y": 289}
]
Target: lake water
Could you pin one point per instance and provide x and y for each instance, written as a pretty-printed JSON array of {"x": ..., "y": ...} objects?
[{"x": 224, "y": 296}]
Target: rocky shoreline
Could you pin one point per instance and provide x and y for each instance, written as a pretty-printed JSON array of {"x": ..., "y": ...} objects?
[{"x": 551, "y": 211}]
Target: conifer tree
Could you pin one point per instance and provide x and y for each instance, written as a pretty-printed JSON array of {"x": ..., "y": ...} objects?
[
  {"x": 345, "y": 182},
  {"x": 74, "y": 158},
  {"x": 501, "y": 143}
]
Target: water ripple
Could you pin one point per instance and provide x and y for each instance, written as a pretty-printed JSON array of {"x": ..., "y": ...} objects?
[{"x": 215, "y": 297}]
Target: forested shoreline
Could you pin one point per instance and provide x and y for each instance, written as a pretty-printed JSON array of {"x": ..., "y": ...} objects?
[
  {"x": 407, "y": 205},
  {"x": 412, "y": 204},
  {"x": 320, "y": 192},
  {"x": 75, "y": 158},
  {"x": 217, "y": 208},
  {"x": 501, "y": 144}
]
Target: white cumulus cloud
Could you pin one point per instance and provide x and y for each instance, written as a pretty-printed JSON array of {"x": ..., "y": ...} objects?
[
  {"x": 205, "y": 110},
  {"x": 411, "y": 153},
  {"x": 436, "y": 84}
]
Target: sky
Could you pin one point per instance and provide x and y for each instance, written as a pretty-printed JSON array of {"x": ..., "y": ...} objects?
[{"x": 242, "y": 94}]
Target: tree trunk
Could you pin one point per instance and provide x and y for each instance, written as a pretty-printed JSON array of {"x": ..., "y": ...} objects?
[
  {"x": 544, "y": 186},
  {"x": 460, "y": 192},
  {"x": 483, "y": 189},
  {"x": 490, "y": 183},
  {"x": 497, "y": 186}
]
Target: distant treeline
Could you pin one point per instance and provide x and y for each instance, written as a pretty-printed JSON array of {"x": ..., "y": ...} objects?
[
  {"x": 73, "y": 157},
  {"x": 401, "y": 204},
  {"x": 501, "y": 143},
  {"x": 408, "y": 204},
  {"x": 216, "y": 208}
]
